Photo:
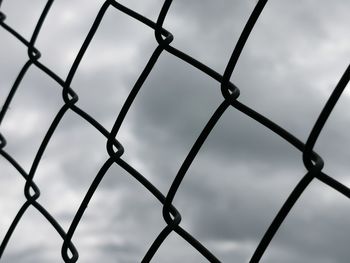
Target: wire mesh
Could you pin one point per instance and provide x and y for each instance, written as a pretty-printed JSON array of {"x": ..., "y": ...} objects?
[{"x": 230, "y": 93}]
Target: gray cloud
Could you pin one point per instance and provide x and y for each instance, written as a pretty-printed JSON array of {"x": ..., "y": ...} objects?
[{"x": 243, "y": 173}]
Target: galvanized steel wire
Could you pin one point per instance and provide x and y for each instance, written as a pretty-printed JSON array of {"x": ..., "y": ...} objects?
[{"x": 230, "y": 93}]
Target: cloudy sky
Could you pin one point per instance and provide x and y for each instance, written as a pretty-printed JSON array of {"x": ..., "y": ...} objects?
[{"x": 295, "y": 56}]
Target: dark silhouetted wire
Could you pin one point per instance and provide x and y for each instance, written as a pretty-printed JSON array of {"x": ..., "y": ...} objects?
[{"x": 312, "y": 161}]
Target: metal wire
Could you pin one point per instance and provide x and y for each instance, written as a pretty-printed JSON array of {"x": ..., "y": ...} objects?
[{"x": 312, "y": 161}]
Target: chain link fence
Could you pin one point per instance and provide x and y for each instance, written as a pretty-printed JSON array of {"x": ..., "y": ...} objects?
[{"x": 230, "y": 99}]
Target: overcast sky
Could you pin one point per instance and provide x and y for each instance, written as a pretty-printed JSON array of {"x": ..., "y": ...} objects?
[{"x": 292, "y": 61}]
